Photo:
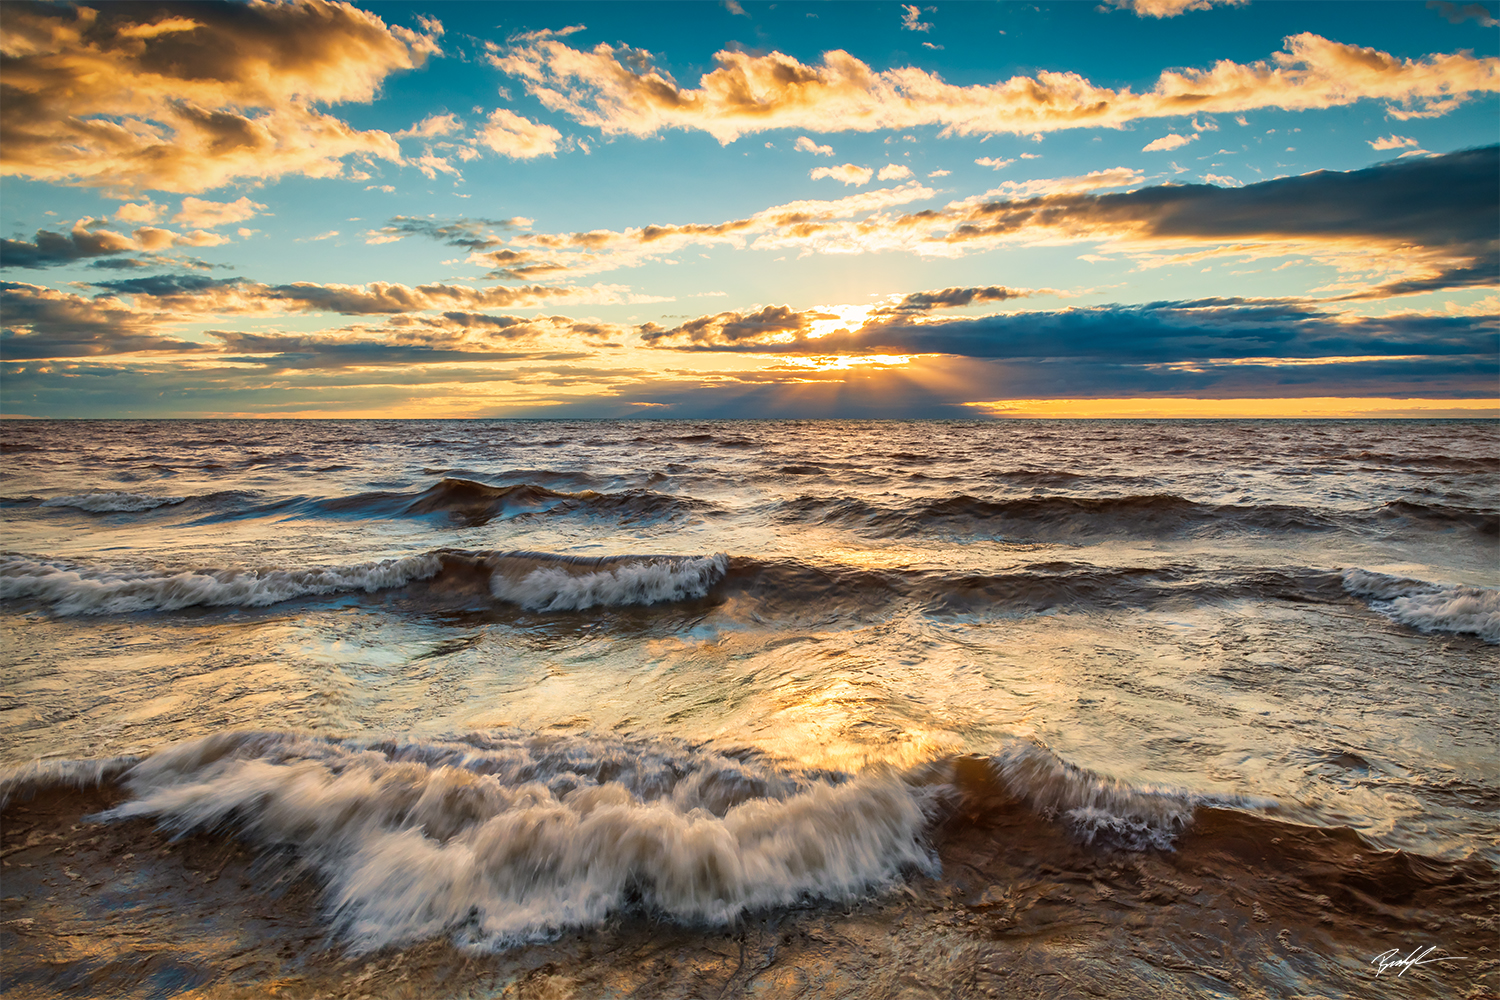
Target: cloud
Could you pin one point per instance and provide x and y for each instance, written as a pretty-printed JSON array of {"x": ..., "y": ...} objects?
[
  {"x": 1457, "y": 15},
  {"x": 187, "y": 97},
  {"x": 209, "y": 214},
  {"x": 806, "y": 145},
  {"x": 472, "y": 234},
  {"x": 508, "y": 134},
  {"x": 1167, "y": 142},
  {"x": 431, "y": 165},
  {"x": 911, "y": 18},
  {"x": 939, "y": 173},
  {"x": 1436, "y": 211},
  {"x": 45, "y": 323},
  {"x": 431, "y": 126},
  {"x": 1393, "y": 141},
  {"x": 603, "y": 249},
  {"x": 849, "y": 173},
  {"x": 954, "y": 298},
  {"x": 893, "y": 172},
  {"x": 533, "y": 36},
  {"x": 622, "y": 91},
  {"x": 87, "y": 240},
  {"x": 994, "y": 163},
  {"x": 1166, "y": 8},
  {"x": 733, "y": 6},
  {"x": 147, "y": 212},
  {"x": 1409, "y": 225},
  {"x": 1216, "y": 346},
  {"x": 1094, "y": 180}
]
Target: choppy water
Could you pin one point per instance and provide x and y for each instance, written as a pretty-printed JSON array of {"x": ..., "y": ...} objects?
[{"x": 555, "y": 709}]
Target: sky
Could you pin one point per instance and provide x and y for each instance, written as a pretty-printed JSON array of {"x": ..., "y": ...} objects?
[{"x": 1134, "y": 208}]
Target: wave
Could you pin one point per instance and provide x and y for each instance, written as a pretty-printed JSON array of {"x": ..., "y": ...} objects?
[
  {"x": 1429, "y": 607},
  {"x": 473, "y": 503},
  {"x": 1456, "y": 463},
  {"x": 500, "y": 839},
  {"x": 73, "y": 589},
  {"x": 110, "y": 502},
  {"x": 1483, "y": 522},
  {"x": 462, "y": 501},
  {"x": 1097, "y": 810},
  {"x": 1055, "y": 517},
  {"x": 753, "y": 590},
  {"x": 792, "y": 588},
  {"x": 534, "y": 581},
  {"x": 541, "y": 582},
  {"x": 507, "y": 837},
  {"x": 510, "y": 836}
]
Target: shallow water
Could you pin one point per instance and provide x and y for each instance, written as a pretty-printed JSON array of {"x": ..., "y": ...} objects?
[{"x": 792, "y": 708}]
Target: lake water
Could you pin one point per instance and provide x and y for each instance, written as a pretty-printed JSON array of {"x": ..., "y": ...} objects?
[{"x": 823, "y": 708}]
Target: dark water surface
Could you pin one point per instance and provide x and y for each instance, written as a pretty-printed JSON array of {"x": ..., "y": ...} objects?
[{"x": 700, "y": 709}]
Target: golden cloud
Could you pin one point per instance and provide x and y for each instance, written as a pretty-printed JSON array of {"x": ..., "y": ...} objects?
[
  {"x": 187, "y": 97},
  {"x": 509, "y": 134},
  {"x": 620, "y": 90}
]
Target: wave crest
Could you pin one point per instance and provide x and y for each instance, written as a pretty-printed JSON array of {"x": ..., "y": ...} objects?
[
  {"x": 73, "y": 589},
  {"x": 511, "y": 838},
  {"x": 1429, "y": 607},
  {"x": 112, "y": 502},
  {"x": 551, "y": 583}
]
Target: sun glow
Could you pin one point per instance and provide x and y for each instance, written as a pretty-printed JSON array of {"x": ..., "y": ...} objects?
[
  {"x": 845, "y": 317},
  {"x": 844, "y": 362}
]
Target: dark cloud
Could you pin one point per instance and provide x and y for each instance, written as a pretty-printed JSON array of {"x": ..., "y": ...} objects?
[
  {"x": 1206, "y": 342},
  {"x": 472, "y": 234},
  {"x": 49, "y": 249},
  {"x": 490, "y": 324},
  {"x": 1168, "y": 332},
  {"x": 167, "y": 284},
  {"x": 953, "y": 298},
  {"x": 45, "y": 323},
  {"x": 1457, "y": 15},
  {"x": 123, "y": 264},
  {"x": 1444, "y": 208},
  {"x": 728, "y": 328}
]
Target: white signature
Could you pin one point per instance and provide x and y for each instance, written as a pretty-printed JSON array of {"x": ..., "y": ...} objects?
[{"x": 1393, "y": 959}]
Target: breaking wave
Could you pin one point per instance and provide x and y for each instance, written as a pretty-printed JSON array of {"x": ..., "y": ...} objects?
[
  {"x": 540, "y": 582},
  {"x": 510, "y": 836},
  {"x": 495, "y": 840},
  {"x": 73, "y": 589},
  {"x": 103, "y": 502},
  {"x": 1430, "y": 607}
]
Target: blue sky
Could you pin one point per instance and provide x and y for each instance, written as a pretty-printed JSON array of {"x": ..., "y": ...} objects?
[{"x": 1151, "y": 207}]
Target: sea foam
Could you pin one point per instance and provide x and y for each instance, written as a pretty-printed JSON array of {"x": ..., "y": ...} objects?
[
  {"x": 503, "y": 840},
  {"x": 74, "y": 589},
  {"x": 1430, "y": 607},
  {"x": 573, "y": 585}
]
